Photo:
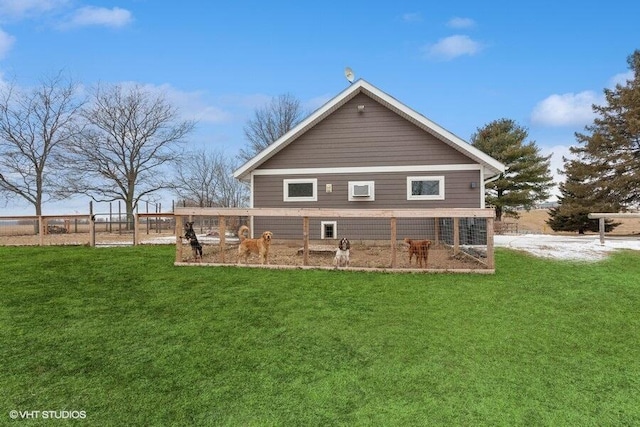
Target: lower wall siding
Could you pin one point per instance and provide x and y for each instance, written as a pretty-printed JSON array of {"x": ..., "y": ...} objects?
[{"x": 472, "y": 230}]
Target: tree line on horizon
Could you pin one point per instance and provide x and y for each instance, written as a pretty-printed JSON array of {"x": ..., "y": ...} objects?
[{"x": 127, "y": 143}]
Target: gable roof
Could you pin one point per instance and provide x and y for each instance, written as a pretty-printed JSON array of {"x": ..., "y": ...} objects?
[{"x": 491, "y": 166}]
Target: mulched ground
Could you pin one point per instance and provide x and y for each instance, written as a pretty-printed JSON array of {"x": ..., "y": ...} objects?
[
  {"x": 364, "y": 256},
  {"x": 367, "y": 256}
]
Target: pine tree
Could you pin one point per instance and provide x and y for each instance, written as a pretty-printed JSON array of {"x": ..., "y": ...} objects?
[
  {"x": 610, "y": 149},
  {"x": 527, "y": 179},
  {"x": 604, "y": 174},
  {"x": 577, "y": 199}
]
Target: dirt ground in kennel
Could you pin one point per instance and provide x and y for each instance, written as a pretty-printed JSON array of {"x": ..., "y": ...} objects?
[{"x": 362, "y": 255}]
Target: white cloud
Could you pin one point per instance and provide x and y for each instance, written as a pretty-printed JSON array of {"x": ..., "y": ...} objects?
[
  {"x": 192, "y": 104},
  {"x": 556, "y": 165},
  {"x": 452, "y": 47},
  {"x": 412, "y": 17},
  {"x": 314, "y": 103},
  {"x": 91, "y": 15},
  {"x": 621, "y": 79},
  {"x": 568, "y": 109},
  {"x": 458, "y": 23},
  {"x": 23, "y": 8},
  {"x": 6, "y": 42}
]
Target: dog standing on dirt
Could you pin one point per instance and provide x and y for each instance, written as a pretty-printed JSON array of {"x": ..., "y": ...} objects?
[
  {"x": 419, "y": 248},
  {"x": 260, "y": 245},
  {"x": 190, "y": 235},
  {"x": 342, "y": 253}
]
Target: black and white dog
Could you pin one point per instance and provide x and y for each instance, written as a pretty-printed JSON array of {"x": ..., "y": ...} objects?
[
  {"x": 342, "y": 253},
  {"x": 190, "y": 235}
]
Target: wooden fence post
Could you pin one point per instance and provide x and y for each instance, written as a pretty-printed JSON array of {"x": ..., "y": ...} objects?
[
  {"x": 136, "y": 229},
  {"x": 222, "y": 225},
  {"x": 305, "y": 236},
  {"x": 456, "y": 235},
  {"x": 601, "y": 229},
  {"x": 394, "y": 242},
  {"x": 42, "y": 227},
  {"x": 92, "y": 226},
  {"x": 490, "y": 245},
  {"x": 178, "y": 238}
]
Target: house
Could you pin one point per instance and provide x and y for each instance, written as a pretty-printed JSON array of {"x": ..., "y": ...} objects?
[{"x": 365, "y": 149}]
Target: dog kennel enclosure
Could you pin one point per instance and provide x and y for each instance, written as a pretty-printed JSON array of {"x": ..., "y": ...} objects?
[{"x": 461, "y": 239}]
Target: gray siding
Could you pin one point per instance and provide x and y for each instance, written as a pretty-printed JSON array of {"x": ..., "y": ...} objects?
[
  {"x": 471, "y": 230},
  {"x": 390, "y": 191},
  {"x": 376, "y": 137}
]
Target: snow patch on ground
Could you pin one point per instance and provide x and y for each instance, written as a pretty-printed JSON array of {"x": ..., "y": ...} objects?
[{"x": 579, "y": 248}]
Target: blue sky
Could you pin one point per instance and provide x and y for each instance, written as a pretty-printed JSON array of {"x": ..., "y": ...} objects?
[{"x": 462, "y": 64}]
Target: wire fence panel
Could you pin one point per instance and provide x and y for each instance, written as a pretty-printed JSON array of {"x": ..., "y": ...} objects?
[
  {"x": 45, "y": 230},
  {"x": 458, "y": 240}
]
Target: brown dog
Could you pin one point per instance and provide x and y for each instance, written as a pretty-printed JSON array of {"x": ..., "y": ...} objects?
[
  {"x": 259, "y": 246},
  {"x": 419, "y": 248}
]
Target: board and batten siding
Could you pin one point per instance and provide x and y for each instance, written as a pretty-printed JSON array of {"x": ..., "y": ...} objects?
[{"x": 375, "y": 137}]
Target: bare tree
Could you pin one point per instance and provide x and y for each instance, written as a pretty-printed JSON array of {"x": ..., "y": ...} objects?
[
  {"x": 269, "y": 123},
  {"x": 206, "y": 179},
  {"x": 132, "y": 136},
  {"x": 33, "y": 126}
]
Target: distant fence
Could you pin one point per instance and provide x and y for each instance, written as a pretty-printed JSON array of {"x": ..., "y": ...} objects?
[
  {"x": 84, "y": 229},
  {"x": 461, "y": 239}
]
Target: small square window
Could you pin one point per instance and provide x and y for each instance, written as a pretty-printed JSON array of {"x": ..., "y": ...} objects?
[
  {"x": 329, "y": 230},
  {"x": 425, "y": 188},
  {"x": 300, "y": 190}
]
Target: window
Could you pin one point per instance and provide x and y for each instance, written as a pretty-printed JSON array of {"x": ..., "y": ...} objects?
[
  {"x": 300, "y": 190},
  {"x": 425, "y": 188},
  {"x": 329, "y": 230},
  {"x": 361, "y": 191}
]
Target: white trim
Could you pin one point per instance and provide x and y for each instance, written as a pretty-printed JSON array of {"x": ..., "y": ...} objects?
[
  {"x": 439, "y": 196},
  {"x": 322, "y": 230},
  {"x": 481, "y": 185},
  {"x": 369, "y": 169},
  {"x": 251, "y": 187},
  {"x": 285, "y": 190}
]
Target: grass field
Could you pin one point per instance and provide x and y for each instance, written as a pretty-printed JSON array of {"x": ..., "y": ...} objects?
[{"x": 128, "y": 339}]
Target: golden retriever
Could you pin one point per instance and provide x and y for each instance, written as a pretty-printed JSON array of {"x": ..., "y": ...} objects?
[
  {"x": 260, "y": 245},
  {"x": 419, "y": 248}
]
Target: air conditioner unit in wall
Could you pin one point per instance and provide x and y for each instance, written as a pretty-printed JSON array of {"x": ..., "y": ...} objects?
[{"x": 361, "y": 190}]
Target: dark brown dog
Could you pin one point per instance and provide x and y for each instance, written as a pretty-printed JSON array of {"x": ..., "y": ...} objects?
[
  {"x": 260, "y": 245},
  {"x": 419, "y": 248}
]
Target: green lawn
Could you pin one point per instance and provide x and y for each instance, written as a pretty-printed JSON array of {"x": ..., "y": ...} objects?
[{"x": 126, "y": 337}]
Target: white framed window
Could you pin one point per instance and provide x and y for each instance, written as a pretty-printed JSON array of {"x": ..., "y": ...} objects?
[
  {"x": 300, "y": 190},
  {"x": 425, "y": 188},
  {"x": 360, "y": 191},
  {"x": 328, "y": 230}
]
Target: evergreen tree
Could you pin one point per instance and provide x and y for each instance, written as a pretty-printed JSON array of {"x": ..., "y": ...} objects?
[
  {"x": 577, "y": 199},
  {"x": 604, "y": 174},
  {"x": 610, "y": 149},
  {"x": 527, "y": 179}
]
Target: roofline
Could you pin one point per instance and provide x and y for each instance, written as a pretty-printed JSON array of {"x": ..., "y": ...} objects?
[{"x": 491, "y": 165}]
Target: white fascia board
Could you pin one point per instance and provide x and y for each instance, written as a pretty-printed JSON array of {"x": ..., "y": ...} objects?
[{"x": 367, "y": 169}]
